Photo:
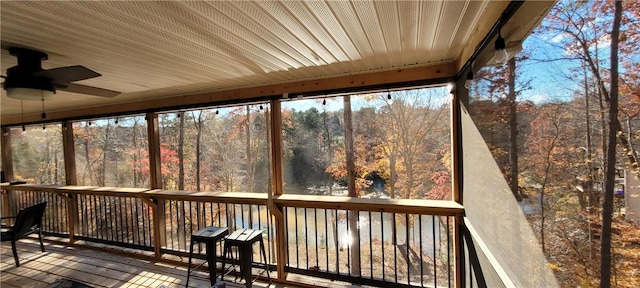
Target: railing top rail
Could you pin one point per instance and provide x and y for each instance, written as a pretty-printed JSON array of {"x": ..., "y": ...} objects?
[
  {"x": 208, "y": 196},
  {"x": 87, "y": 190},
  {"x": 411, "y": 206}
]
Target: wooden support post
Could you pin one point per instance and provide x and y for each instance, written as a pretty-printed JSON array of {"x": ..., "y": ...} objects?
[
  {"x": 459, "y": 94},
  {"x": 7, "y": 157},
  {"x": 72, "y": 213},
  {"x": 275, "y": 137},
  {"x": 153, "y": 136},
  {"x": 6, "y": 207},
  {"x": 71, "y": 178},
  {"x": 155, "y": 181},
  {"x": 157, "y": 208},
  {"x": 9, "y": 198}
]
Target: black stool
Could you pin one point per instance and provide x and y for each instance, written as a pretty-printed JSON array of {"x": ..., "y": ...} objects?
[
  {"x": 208, "y": 235},
  {"x": 243, "y": 239}
]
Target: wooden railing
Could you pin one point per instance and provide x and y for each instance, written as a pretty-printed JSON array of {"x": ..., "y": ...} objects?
[{"x": 380, "y": 242}]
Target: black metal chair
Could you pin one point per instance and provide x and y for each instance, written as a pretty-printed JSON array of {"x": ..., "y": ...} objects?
[{"x": 27, "y": 222}]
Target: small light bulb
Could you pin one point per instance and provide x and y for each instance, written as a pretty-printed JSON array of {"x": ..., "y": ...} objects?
[
  {"x": 469, "y": 82},
  {"x": 500, "y": 56}
]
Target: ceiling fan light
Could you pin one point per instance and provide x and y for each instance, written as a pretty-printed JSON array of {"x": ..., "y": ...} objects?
[{"x": 28, "y": 93}]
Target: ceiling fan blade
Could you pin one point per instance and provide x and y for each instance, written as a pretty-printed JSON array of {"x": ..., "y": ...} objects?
[
  {"x": 95, "y": 91},
  {"x": 68, "y": 74}
]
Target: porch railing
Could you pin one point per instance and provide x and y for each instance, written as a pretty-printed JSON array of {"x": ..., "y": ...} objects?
[{"x": 380, "y": 242}]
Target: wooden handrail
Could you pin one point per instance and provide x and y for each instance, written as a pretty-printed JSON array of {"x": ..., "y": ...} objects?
[{"x": 411, "y": 206}]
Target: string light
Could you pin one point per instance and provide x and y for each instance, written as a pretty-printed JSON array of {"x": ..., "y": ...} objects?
[
  {"x": 44, "y": 115},
  {"x": 469, "y": 81},
  {"x": 22, "y": 115},
  {"x": 500, "y": 55}
]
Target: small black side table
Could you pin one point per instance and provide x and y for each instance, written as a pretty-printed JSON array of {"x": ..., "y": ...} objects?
[
  {"x": 244, "y": 239},
  {"x": 208, "y": 235}
]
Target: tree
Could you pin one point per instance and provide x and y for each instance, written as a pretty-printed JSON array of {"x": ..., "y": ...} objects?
[{"x": 610, "y": 169}]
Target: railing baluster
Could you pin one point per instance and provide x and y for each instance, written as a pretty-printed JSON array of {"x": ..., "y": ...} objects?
[
  {"x": 448, "y": 252},
  {"x": 286, "y": 210},
  {"x": 306, "y": 239},
  {"x": 435, "y": 266},
  {"x": 395, "y": 247},
  {"x": 297, "y": 247},
  {"x": 326, "y": 239},
  {"x": 315, "y": 220},
  {"x": 94, "y": 227},
  {"x": 370, "y": 246},
  {"x": 138, "y": 222},
  {"x": 349, "y": 242},
  {"x": 420, "y": 249},
  {"x": 383, "y": 251},
  {"x": 406, "y": 242},
  {"x": 335, "y": 234},
  {"x": 121, "y": 219}
]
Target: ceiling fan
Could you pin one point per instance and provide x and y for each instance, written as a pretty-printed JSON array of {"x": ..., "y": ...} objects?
[{"x": 28, "y": 81}]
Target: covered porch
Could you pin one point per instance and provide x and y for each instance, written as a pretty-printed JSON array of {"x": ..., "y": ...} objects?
[{"x": 173, "y": 60}]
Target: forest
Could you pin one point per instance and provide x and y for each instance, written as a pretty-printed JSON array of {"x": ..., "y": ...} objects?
[{"x": 544, "y": 116}]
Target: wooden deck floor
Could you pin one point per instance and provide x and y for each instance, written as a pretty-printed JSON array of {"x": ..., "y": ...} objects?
[{"x": 92, "y": 267}]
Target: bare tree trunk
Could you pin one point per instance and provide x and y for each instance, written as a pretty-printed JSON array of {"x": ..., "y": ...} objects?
[
  {"x": 182, "y": 222},
  {"x": 134, "y": 138},
  {"x": 87, "y": 167},
  {"x": 513, "y": 131},
  {"x": 329, "y": 149},
  {"x": 588, "y": 183},
  {"x": 392, "y": 176},
  {"x": 103, "y": 173},
  {"x": 198, "y": 140},
  {"x": 610, "y": 169},
  {"x": 354, "y": 230},
  {"x": 181, "y": 151},
  {"x": 250, "y": 170}
]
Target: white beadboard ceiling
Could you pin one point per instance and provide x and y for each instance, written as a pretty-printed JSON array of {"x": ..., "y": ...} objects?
[{"x": 152, "y": 49}]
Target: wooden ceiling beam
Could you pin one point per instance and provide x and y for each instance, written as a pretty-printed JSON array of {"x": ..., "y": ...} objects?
[{"x": 424, "y": 75}]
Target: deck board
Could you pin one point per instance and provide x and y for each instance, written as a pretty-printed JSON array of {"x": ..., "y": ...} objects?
[
  {"x": 92, "y": 267},
  {"x": 99, "y": 268}
]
